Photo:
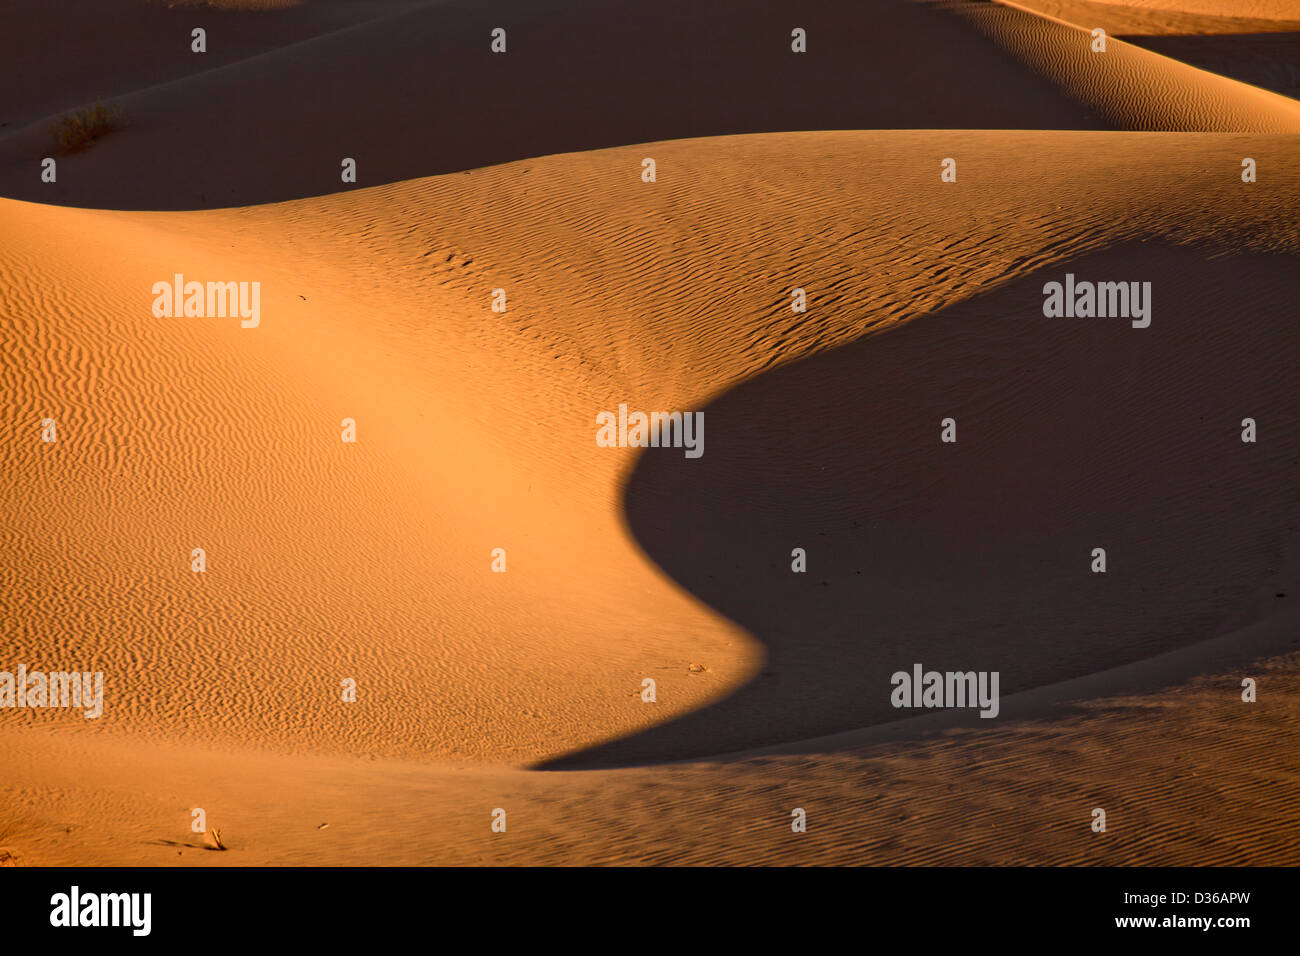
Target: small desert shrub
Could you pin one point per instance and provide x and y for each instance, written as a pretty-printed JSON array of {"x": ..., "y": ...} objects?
[{"x": 78, "y": 130}]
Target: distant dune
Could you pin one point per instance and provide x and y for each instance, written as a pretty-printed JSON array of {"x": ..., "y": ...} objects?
[
  {"x": 476, "y": 431},
  {"x": 1172, "y": 16},
  {"x": 216, "y": 138},
  {"x": 1258, "y": 49},
  {"x": 63, "y": 53}
]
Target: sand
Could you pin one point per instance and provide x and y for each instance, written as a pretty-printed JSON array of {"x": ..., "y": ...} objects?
[
  {"x": 453, "y": 106},
  {"x": 1258, "y": 44},
  {"x": 1172, "y": 16},
  {"x": 522, "y": 690}
]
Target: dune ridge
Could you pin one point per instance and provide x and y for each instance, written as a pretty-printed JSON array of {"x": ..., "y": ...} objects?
[
  {"x": 450, "y": 105},
  {"x": 122, "y": 47},
  {"x": 1132, "y": 87},
  {"x": 374, "y": 561},
  {"x": 1164, "y": 17},
  {"x": 380, "y": 562}
]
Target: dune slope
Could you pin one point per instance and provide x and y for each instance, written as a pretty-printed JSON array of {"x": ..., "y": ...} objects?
[
  {"x": 60, "y": 54},
  {"x": 1022, "y": 794},
  {"x": 476, "y": 429},
  {"x": 500, "y": 587},
  {"x": 447, "y": 103}
]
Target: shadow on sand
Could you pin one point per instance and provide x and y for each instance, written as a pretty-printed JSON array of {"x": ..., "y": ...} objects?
[
  {"x": 577, "y": 75},
  {"x": 1073, "y": 434}
]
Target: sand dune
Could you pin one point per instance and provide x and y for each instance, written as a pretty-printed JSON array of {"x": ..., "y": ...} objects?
[
  {"x": 1161, "y": 17},
  {"x": 1064, "y": 424},
  {"x": 328, "y": 559},
  {"x": 1268, "y": 60},
  {"x": 373, "y": 560},
  {"x": 63, "y": 53},
  {"x": 1021, "y": 794},
  {"x": 448, "y": 104},
  {"x": 1264, "y": 52},
  {"x": 1131, "y": 87}
]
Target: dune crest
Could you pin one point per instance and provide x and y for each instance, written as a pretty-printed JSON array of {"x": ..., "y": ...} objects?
[
  {"x": 652, "y": 401},
  {"x": 449, "y": 104},
  {"x": 373, "y": 560}
]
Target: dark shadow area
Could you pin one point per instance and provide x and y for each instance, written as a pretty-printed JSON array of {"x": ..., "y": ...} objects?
[
  {"x": 1072, "y": 434},
  {"x": 1267, "y": 60},
  {"x": 51, "y": 47},
  {"x": 577, "y": 75}
]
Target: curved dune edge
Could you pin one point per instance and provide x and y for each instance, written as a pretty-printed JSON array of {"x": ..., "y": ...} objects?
[
  {"x": 1131, "y": 87},
  {"x": 973, "y": 554},
  {"x": 477, "y": 429},
  {"x": 218, "y": 139}
]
